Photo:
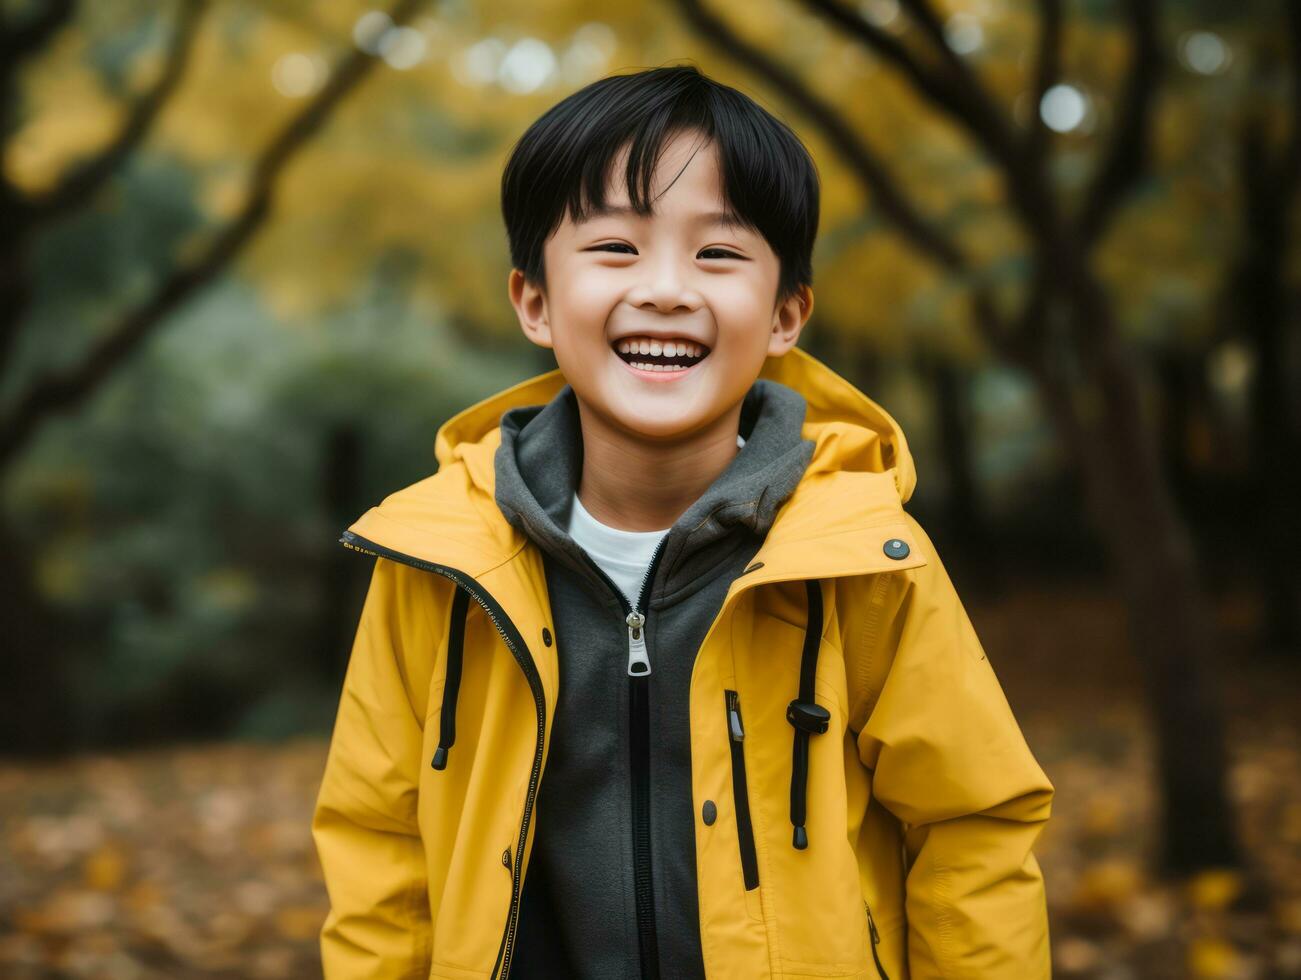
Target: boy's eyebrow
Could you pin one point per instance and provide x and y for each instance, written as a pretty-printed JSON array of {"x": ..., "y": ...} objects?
[{"x": 728, "y": 219}]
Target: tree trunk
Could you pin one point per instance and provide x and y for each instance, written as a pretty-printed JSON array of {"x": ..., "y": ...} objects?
[
  {"x": 951, "y": 389},
  {"x": 1101, "y": 416},
  {"x": 340, "y": 571},
  {"x": 35, "y": 713},
  {"x": 1274, "y": 489}
]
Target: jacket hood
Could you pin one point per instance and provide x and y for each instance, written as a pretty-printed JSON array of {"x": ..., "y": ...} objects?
[
  {"x": 859, "y": 475},
  {"x": 540, "y": 461}
]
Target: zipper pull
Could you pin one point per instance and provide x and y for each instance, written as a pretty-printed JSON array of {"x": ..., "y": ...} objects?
[
  {"x": 734, "y": 717},
  {"x": 638, "y": 661},
  {"x": 871, "y": 926}
]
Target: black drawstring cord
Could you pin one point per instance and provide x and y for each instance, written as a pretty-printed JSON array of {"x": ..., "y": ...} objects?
[
  {"x": 807, "y": 716},
  {"x": 452, "y": 685}
]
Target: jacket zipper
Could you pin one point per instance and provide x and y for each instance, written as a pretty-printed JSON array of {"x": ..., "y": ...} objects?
[
  {"x": 639, "y": 669},
  {"x": 876, "y": 938},
  {"x": 740, "y": 791},
  {"x": 510, "y": 634}
]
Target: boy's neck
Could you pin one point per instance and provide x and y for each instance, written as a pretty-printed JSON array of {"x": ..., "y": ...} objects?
[{"x": 635, "y": 485}]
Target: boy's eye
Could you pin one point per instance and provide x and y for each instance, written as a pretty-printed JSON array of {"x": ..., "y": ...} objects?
[{"x": 721, "y": 253}]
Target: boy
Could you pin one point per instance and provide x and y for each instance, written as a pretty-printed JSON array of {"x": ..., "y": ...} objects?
[{"x": 656, "y": 677}]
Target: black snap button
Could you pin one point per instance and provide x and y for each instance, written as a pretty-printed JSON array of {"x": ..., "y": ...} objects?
[
  {"x": 895, "y": 548},
  {"x": 546, "y": 636},
  {"x": 709, "y": 812}
]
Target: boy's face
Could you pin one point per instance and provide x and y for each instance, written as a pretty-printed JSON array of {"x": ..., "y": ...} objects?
[{"x": 679, "y": 277}]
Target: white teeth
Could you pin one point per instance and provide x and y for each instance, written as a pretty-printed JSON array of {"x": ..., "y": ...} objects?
[{"x": 654, "y": 347}]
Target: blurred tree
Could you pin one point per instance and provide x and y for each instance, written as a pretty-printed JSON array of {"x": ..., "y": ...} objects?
[
  {"x": 33, "y": 709},
  {"x": 1264, "y": 314},
  {"x": 1065, "y": 333}
]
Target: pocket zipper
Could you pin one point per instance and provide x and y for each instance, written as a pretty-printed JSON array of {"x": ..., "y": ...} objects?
[
  {"x": 876, "y": 938},
  {"x": 740, "y": 793}
]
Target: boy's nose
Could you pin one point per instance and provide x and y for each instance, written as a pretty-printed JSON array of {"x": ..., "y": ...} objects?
[{"x": 667, "y": 292}]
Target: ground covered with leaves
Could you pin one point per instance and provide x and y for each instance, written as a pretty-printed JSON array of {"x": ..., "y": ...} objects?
[{"x": 197, "y": 861}]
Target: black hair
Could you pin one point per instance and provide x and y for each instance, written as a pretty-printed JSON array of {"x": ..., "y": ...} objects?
[{"x": 561, "y": 161}]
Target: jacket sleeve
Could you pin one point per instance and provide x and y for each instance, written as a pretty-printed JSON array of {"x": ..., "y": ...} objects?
[
  {"x": 951, "y": 763},
  {"x": 364, "y": 823}
]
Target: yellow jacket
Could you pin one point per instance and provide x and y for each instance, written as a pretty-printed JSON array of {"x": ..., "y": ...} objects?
[{"x": 924, "y": 800}]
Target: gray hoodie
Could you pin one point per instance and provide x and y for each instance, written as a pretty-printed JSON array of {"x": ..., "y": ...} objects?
[{"x": 610, "y": 889}]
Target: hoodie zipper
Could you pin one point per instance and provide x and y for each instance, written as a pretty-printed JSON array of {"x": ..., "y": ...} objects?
[
  {"x": 876, "y": 938},
  {"x": 639, "y": 669},
  {"x": 510, "y": 634}
]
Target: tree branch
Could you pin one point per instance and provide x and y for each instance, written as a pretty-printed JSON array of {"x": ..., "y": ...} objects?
[
  {"x": 861, "y": 158},
  {"x": 1289, "y": 171},
  {"x": 889, "y": 47},
  {"x": 973, "y": 105},
  {"x": 1048, "y": 63},
  {"x": 87, "y": 177},
  {"x": 1019, "y": 339},
  {"x": 61, "y": 391},
  {"x": 20, "y": 43},
  {"x": 959, "y": 93},
  {"x": 1127, "y": 153}
]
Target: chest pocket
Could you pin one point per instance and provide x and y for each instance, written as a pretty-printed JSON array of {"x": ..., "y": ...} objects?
[{"x": 791, "y": 672}]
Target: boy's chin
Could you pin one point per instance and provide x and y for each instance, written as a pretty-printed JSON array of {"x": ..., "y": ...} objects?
[{"x": 656, "y": 426}]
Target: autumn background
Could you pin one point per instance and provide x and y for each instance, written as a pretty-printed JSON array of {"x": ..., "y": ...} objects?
[{"x": 251, "y": 257}]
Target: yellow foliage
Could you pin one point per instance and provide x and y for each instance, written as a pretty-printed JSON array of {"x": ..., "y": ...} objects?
[
  {"x": 1212, "y": 958},
  {"x": 227, "y": 107},
  {"x": 1289, "y": 916},
  {"x": 1103, "y": 814},
  {"x": 1108, "y": 883},
  {"x": 1291, "y": 827},
  {"x": 105, "y": 869},
  {"x": 1213, "y": 890},
  {"x": 143, "y": 896},
  {"x": 80, "y": 118},
  {"x": 299, "y": 921},
  {"x": 229, "y": 589},
  {"x": 223, "y": 195},
  {"x": 60, "y": 574}
]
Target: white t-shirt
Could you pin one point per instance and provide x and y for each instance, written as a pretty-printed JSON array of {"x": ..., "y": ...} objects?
[{"x": 623, "y": 555}]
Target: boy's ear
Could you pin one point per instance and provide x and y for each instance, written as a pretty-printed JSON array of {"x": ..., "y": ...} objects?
[
  {"x": 788, "y": 320},
  {"x": 530, "y": 304}
]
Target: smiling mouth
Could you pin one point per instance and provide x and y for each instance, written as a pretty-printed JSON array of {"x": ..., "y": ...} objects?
[{"x": 646, "y": 354}]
